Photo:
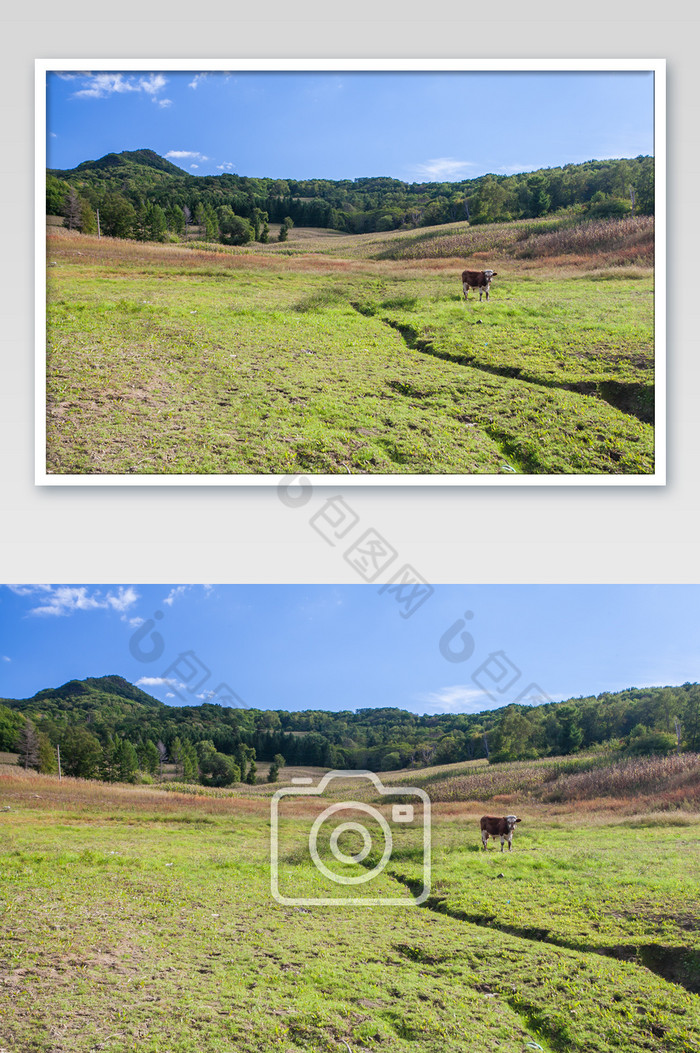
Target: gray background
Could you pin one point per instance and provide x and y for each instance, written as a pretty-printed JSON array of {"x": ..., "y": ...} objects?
[{"x": 528, "y": 534}]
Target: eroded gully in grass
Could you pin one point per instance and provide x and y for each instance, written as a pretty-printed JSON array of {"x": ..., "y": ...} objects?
[
  {"x": 636, "y": 400},
  {"x": 678, "y": 965}
]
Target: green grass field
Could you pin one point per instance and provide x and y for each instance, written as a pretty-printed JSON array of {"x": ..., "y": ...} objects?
[
  {"x": 170, "y": 360},
  {"x": 134, "y": 919}
]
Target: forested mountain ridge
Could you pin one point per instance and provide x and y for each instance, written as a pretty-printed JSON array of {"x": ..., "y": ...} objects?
[
  {"x": 125, "y": 186},
  {"x": 104, "y": 713}
]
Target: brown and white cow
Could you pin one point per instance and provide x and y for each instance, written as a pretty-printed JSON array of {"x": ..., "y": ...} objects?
[
  {"x": 480, "y": 280},
  {"x": 493, "y": 826}
]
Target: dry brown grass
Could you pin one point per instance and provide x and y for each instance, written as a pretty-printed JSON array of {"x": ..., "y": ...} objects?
[
  {"x": 550, "y": 246},
  {"x": 630, "y": 785},
  {"x": 626, "y": 241},
  {"x": 650, "y": 790},
  {"x": 670, "y": 781},
  {"x": 29, "y": 790}
]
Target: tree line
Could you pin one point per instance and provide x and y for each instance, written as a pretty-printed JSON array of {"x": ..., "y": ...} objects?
[
  {"x": 106, "y": 728},
  {"x": 141, "y": 195},
  {"x": 80, "y": 753}
]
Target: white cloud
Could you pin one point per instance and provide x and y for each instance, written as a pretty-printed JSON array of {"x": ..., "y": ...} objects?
[
  {"x": 182, "y": 155},
  {"x": 158, "y": 681},
  {"x": 194, "y": 166},
  {"x": 180, "y": 590},
  {"x": 457, "y": 698},
  {"x": 197, "y": 80},
  {"x": 102, "y": 85},
  {"x": 6, "y": 659},
  {"x": 61, "y": 600},
  {"x": 162, "y": 681},
  {"x": 28, "y": 590},
  {"x": 153, "y": 84},
  {"x": 439, "y": 168},
  {"x": 175, "y": 594},
  {"x": 53, "y": 135},
  {"x": 164, "y": 102},
  {"x": 125, "y": 598},
  {"x": 226, "y": 166}
]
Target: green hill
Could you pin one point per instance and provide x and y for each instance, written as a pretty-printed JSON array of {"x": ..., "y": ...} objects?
[
  {"x": 135, "y": 179},
  {"x": 94, "y": 687},
  {"x": 126, "y": 161}
]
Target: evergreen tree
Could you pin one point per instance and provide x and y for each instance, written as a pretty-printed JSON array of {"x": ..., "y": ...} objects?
[
  {"x": 140, "y": 227},
  {"x": 117, "y": 216},
  {"x": 149, "y": 758},
  {"x": 190, "y": 764},
  {"x": 176, "y": 220},
  {"x": 108, "y": 768},
  {"x": 127, "y": 761},
  {"x": 158, "y": 224},
  {"x": 81, "y": 753}
]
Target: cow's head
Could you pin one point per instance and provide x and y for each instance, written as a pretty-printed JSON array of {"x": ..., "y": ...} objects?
[
  {"x": 490, "y": 274},
  {"x": 512, "y": 820}
]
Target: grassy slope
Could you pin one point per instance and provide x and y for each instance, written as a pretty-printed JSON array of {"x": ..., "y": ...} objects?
[
  {"x": 162, "y": 360},
  {"x": 138, "y": 920}
]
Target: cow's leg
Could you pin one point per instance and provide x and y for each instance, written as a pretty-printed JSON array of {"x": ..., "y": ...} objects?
[
  {"x": 481, "y": 292},
  {"x": 466, "y": 290},
  {"x": 487, "y": 292},
  {"x": 510, "y": 842},
  {"x": 501, "y": 842},
  {"x": 484, "y": 838}
]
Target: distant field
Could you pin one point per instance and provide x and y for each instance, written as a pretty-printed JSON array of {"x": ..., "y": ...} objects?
[
  {"x": 311, "y": 356},
  {"x": 138, "y": 919}
]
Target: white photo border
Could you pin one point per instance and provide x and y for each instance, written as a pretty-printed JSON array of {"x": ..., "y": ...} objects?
[{"x": 656, "y": 66}]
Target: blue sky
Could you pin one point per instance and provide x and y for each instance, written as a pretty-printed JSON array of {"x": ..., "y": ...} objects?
[
  {"x": 414, "y": 126},
  {"x": 348, "y": 646}
]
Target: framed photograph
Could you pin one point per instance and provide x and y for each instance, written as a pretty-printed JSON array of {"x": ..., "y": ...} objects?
[
  {"x": 483, "y": 833},
  {"x": 357, "y": 271}
]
